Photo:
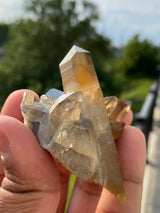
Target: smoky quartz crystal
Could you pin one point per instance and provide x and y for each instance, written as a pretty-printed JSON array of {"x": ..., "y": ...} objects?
[{"x": 78, "y": 126}]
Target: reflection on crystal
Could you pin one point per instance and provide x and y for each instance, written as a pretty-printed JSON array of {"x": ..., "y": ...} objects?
[
  {"x": 120, "y": 111},
  {"x": 66, "y": 107},
  {"x": 69, "y": 133},
  {"x": 110, "y": 103},
  {"x": 116, "y": 110},
  {"x": 79, "y": 126}
]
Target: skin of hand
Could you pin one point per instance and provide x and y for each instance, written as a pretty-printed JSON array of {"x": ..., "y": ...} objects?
[{"x": 32, "y": 181}]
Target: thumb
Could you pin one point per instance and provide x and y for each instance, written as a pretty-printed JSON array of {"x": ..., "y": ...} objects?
[{"x": 31, "y": 180}]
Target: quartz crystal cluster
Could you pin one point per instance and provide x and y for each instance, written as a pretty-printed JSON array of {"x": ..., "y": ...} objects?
[{"x": 78, "y": 126}]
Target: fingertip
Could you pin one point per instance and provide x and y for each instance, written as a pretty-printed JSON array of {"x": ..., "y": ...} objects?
[
  {"x": 131, "y": 147},
  {"x": 131, "y": 138},
  {"x": 12, "y": 104},
  {"x": 128, "y": 118}
]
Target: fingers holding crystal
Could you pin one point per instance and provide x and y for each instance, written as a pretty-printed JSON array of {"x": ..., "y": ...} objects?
[
  {"x": 12, "y": 104},
  {"x": 130, "y": 144},
  {"x": 77, "y": 128}
]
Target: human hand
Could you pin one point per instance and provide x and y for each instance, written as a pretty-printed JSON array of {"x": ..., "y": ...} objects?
[{"x": 33, "y": 181}]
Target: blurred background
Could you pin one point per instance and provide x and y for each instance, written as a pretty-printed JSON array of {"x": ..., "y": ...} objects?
[
  {"x": 124, "y": 40},
  {"x": 122, "y": 36}
]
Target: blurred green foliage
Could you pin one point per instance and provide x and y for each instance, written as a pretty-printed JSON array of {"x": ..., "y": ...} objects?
[
  {"x": 139, "y": 58},
  {"x": 136, "y": 92},
  {"x": 137, "y": 64},
  {"x": 4, "y": 30},
  {"x": 35, "y": 47}
]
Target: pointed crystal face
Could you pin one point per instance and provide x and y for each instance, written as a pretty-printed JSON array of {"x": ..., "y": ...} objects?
[
  {"x": 79, "y": 69},
  {"x": 79, "y": 126},
  {"x": 78, "y": 72}
]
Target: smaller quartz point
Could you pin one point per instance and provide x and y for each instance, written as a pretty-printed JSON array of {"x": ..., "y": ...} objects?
[
  {"x": 110, "y": 104},
  {"x": 116, "y": 109},
  {"x": 120, "y": 110},
  {"x": 78, "y": 126},
  {"x": 78, "y": 74},
  {"x": 117, "y": 128}
]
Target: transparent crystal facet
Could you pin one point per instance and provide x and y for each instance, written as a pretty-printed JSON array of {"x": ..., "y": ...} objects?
[
  {"x": 79, "y": 126},
  {"x": 78, "y": 74}
]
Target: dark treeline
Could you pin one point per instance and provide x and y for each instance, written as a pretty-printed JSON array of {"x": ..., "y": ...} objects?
[{"x": 34, "y": 48}]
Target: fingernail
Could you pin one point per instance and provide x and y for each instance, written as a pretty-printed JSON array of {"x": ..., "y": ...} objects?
[{"x": 4, "y": 144}]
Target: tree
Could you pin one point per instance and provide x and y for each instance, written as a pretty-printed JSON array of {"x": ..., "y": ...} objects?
[
  {"x": 139, "y": 58},
  {"x": 36, "y": 46},
  {"x": 4, "y": 28}
]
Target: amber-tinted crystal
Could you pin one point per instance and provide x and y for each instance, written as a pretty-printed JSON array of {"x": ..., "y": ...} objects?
[
  {"x": 79, "y": 126},
  {"x": 78, "y": 74}
]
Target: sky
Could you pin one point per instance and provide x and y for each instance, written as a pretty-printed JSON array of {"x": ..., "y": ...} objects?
[{"x": 119, "y": 19}]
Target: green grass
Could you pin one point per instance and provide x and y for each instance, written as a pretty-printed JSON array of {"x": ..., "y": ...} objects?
[
  {"x": 136, "y": 91},
  {"x": 70, "y": 190}
]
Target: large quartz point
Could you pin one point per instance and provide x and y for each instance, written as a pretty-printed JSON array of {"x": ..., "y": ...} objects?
[{"x": 79, "y": 126}]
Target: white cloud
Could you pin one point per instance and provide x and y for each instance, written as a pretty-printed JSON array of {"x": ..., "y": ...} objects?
[
  {"x": 138, "y": 6},
  {"x": 120, "y": 19},
  {"x": 11, "y": 10},
  {"x": 153, "y": 29}
]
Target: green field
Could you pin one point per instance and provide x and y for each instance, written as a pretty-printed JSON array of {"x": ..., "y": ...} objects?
[{"x": 136, "y": 92}]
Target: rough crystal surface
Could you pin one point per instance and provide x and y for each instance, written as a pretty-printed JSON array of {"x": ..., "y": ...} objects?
[{"x": 79, "y": 126}]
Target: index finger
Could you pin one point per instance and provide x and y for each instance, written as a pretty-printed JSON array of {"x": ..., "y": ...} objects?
[
  {"x": 128, "y": 118},
  {"x": 11, "y": 106}
]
